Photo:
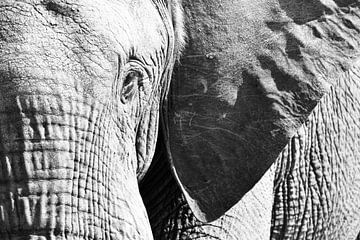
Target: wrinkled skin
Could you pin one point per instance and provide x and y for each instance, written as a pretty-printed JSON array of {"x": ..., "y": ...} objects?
[{"x": 81, "y": 87}]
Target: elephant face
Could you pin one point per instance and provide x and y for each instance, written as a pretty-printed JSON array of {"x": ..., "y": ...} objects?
[{"x": 80, "y": 88}]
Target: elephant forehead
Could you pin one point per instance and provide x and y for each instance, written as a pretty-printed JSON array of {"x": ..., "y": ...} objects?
[
  {"x": 123, "y": 24},
  {"x": 133, "y": 24},
  {"x": 76, "y": 43}
]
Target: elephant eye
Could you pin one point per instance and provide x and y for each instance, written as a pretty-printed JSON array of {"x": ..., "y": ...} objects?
[{"x": 130, "y": 86}]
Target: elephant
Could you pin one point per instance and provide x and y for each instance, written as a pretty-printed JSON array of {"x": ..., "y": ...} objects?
[{"x": 170, "y": 119}]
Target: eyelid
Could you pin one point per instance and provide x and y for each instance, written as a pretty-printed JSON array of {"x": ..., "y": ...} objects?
[
  {"x": 141, "y": 75},
  {"x": 138, "y": 65},
  {"x": 144, "y": 80}
]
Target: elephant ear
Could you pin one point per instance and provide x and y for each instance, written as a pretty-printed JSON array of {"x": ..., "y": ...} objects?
[{"x": 250, "y": 75}]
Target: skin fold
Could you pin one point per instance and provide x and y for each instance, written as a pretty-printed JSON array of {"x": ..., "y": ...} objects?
[
  {"x": 317, "y": 187},
  {"x": 90, "y": 146}
]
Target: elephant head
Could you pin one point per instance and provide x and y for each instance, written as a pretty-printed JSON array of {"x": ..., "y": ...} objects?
[{"x": 83, "y": 85}]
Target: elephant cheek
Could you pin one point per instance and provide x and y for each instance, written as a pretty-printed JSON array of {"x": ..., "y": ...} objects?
[{"x": 65, "y": 173}]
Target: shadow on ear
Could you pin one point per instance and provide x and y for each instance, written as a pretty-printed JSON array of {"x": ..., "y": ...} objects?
[{"x": 248, "y": 79}]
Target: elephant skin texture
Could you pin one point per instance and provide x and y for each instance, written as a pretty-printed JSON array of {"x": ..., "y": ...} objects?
[
  {"x": 260, "y": 81},
  {"x": 316, "y": 189},
  {"x": 257, "y": 137},
  {"x": 80, "y": 88}
]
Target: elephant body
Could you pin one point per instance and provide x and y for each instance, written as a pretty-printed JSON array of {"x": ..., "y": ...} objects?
[{"x": 317, "y": 195}]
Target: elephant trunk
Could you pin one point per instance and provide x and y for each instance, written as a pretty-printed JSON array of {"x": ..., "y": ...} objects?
[{"x": 62, "y": 174}]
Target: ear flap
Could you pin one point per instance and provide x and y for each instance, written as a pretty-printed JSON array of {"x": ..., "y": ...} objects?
[{"x": 250, "y": 76}]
